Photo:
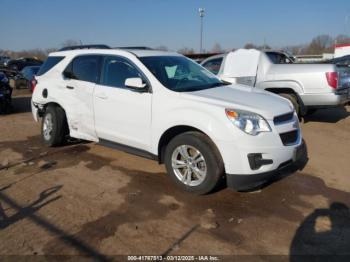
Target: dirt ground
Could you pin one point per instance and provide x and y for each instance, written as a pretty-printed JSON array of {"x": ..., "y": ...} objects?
[{"x": 85, "y": 199}]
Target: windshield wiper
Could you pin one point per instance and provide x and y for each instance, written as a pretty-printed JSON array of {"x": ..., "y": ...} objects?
[
  {"x": 216, "y": 84},
  {"x": 199, "y": 88}
]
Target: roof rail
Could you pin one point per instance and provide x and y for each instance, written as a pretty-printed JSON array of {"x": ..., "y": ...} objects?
[
  {"x": 75, "y": 47},
  {"x": 135, "y": 47}
]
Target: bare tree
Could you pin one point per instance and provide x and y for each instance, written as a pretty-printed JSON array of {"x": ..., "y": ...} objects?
[
  {"x": 162, "y": 48},
  {"x": 186, "y": 51},
  {"x": 250, "y": 46},
  {"x": 320, "y": 44},
  {"x": 295, "y": 49},
  {"x": 70, "y": 42},
  {"x": 253, "y": 46},
  {"x": 217, "y": 48},
  {"x": 342, "y": 39},
  {"x": 37, "y": 53}
]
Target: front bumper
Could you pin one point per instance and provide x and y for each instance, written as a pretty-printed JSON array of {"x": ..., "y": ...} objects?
[{"x": 254, "y": 181}]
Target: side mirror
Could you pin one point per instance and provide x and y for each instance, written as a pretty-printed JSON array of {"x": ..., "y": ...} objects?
[
  {"x": 68, "y": 75},
  {"x": 136, "y": 83}
]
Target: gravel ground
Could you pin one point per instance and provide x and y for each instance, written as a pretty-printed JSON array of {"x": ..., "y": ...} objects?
[{"x": 85, "y": 199}]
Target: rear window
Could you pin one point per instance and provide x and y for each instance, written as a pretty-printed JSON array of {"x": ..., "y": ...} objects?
[
  {"x": 213, "y": 65},
  {"x": 49, "y": 63},
  {"x": 278, "y": 58}
]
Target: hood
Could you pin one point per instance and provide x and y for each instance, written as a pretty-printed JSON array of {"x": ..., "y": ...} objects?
[{"x": 243, "y": 97}]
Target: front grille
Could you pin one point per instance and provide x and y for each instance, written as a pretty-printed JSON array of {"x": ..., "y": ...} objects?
[
  {"x": 283, "y": 118},
  {"x": 289, "y": 138}
]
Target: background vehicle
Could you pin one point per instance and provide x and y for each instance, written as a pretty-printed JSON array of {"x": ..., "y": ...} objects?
[
  {"x": 307, "y": 86},
  {"x": 23, "y": 79},
  {"x": 340, "y": 61},
  {"x": 5, "y": 94},
  {"x": 279, "y": 57},
  {"x": 19, "y": 64},
  {"x": 165, "y": 106},
  {"x": 3, "y": 60}
]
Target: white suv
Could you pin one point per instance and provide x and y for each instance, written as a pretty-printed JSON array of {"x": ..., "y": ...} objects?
[{"x": 164, "y": 106}]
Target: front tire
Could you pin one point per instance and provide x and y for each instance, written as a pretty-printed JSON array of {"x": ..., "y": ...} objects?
[
  {"x": 194, "y": 163},
  {"x": 54, "y": 128}
]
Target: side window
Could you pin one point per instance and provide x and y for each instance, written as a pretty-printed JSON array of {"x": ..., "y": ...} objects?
[
  {"x": 116, "y": 70},
  {"x": 213, "y": 65},
  {"x": 84, "y": 68},
  {"x": 49, "y": 63}
]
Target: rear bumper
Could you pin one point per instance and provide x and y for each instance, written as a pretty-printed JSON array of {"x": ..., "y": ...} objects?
[
  {"x": 254, "y": 181},
  {"x": 338, "y": 98}
]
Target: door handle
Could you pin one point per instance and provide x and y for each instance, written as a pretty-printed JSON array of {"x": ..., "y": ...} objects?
[
  {"x": 101, "y": 95},
  {"x": 69, "y": 87}
]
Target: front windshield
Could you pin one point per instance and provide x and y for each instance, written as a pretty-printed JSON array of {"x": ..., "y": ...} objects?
[{"x": 180, "y": 74}]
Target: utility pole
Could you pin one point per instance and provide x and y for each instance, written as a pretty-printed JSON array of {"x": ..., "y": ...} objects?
[{"x": 201, "y": 15}]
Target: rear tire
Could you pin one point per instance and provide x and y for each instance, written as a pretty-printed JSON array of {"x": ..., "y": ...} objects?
[
  {"x": 202, "y": 171},
  {"x": 292, "y": 98},
  {"x": 54, "y": 128}
]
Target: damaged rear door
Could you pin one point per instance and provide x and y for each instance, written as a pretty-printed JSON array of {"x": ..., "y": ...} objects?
[{"x": 81, "y": 76}]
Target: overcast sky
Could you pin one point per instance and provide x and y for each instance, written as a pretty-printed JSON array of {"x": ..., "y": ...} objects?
[{"x": 26, "y": 24}]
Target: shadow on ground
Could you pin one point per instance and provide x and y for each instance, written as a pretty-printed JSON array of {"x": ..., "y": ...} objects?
[
  {"x": 21, "y": 104},
  {"x": 331, "y": 115},
  {"x": 323, "y": 235},
  {"x": 283, "y": 200},
  {"x": 29, "y": 212}
]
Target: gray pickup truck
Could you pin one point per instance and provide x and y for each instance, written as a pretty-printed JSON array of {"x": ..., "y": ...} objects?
[{"x": 307, "y": 86}]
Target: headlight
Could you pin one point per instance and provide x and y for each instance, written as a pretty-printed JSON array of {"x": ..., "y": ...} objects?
[{"x": 249, "y": 122}]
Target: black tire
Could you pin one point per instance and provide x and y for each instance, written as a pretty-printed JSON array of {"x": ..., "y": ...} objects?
[
  {"x": 59, "y": 130},
  {"x": 2, "y": 106},
  {"x": 5, "y": 106},
  {"x": 311, "y": 111},
  {"x": 292, "y": 98},
  {"x": 214, "y": 164}
]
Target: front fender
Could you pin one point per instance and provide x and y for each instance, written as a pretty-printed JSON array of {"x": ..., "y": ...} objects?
[{"x": 216, "y": 127}]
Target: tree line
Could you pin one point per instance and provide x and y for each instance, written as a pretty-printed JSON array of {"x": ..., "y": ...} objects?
[{"x": 318, "y": 45}]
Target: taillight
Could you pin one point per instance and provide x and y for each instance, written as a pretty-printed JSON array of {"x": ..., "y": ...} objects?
[
  {"x": 332, "y": 79},
  {"x": 33, "y": 84}
]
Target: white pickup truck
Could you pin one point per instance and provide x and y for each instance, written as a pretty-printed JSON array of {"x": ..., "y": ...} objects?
[{"x": 307, "y": 86}]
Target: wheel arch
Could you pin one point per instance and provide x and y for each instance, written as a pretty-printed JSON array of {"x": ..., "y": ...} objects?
[
  {"x": 42, "y": 110},
  {"x": 288, "y": 90},
  {"x": 279, "y": 90},
  {"x": 45, "y": 106},
  {"x": 172, "y": 132}
]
